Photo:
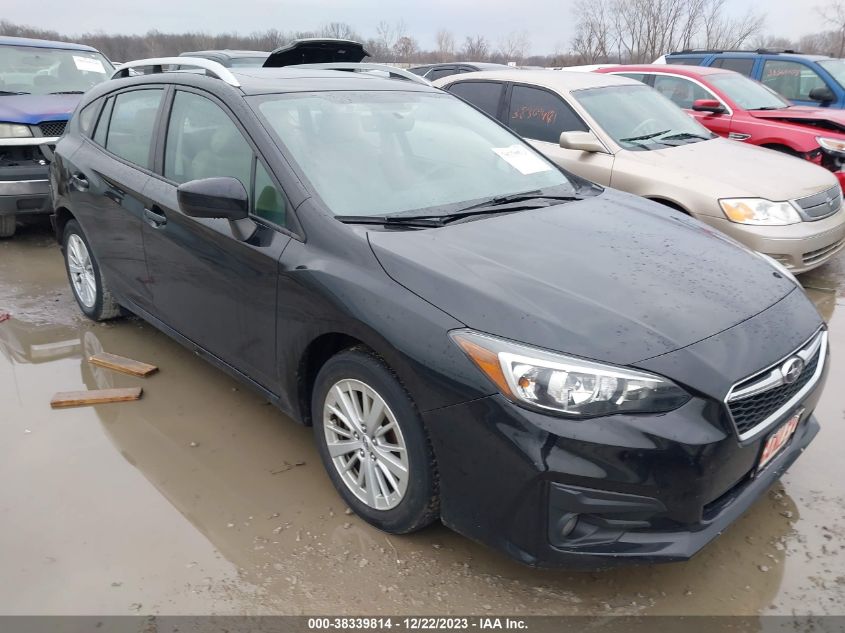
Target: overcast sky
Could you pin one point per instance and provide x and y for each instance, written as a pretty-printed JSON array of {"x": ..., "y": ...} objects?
[{"x": 548, "y": 21}]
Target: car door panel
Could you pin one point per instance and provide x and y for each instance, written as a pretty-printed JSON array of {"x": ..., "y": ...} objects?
[
  {"x": 594, "y": 166},
  {"x": 106, "y": 196},
  {"x": 213, "y": 288}
]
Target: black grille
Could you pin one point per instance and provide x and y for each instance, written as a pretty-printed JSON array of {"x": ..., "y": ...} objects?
[
  {"x": 52, "y": 128},
  {"x": 749, "y": 412},
  {"x": 821, "y": 205}
]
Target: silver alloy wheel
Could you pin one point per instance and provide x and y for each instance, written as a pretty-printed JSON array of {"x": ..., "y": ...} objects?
[
  {"x": 366, "y": 444},
  {"x": 81, "y": 271}
]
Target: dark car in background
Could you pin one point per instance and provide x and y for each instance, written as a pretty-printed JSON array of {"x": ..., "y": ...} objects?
[
  {"x": 40, "y": 85},
  {"x": 432, "y": 72},
  {"x": 571, "y": 374},
  {"x": 232, "y": 58}
]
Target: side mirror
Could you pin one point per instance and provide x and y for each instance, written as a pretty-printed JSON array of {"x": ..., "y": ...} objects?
[
  {"x": 214, "y": 198},
  {"x": 708, "y": 105},
  {"x": 822, "y": 94},
  {"x": 584, "y": 141}
]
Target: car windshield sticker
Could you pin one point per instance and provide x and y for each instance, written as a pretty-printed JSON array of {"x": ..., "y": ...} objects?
[
  {"x": 89, "y": 64},
  {"x": 518, "y": 157}
]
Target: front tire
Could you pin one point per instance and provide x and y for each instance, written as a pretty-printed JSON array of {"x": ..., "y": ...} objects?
[
  {"x": 8, "y": 224},
  {"x": 373, "y": 443},
  {"x": 89, "y": 288}
]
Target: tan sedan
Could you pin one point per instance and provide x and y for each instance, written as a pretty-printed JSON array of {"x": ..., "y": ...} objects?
[{"x": 617, "y": 132}]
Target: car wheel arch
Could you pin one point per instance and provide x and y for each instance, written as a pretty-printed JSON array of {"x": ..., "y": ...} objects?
[
  {"x": 666, "y": 202},
  {"x": 314, "y": 357},
  {"x": 63, "y": 216},
  {"x": 781, "y": 147}
]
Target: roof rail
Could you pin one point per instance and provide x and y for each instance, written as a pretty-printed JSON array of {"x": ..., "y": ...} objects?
[
  {"x": 215, "y": 69},
  {"x": 759, "y": 51},
  {"x": 392, "y": 71}
]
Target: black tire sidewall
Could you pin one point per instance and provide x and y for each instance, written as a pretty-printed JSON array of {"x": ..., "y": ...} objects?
[
  {"x": 415, "y": 511},
  {"x": 94, "y": 312}
]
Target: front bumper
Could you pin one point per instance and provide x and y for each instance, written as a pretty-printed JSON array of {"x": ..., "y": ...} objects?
[
  {"x": 800, "y": 247},
  {"x": 24, "y": 184},
  {"x": 644, "y": 489}
]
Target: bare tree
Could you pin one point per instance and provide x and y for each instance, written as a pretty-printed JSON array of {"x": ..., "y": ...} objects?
[
  {"x": 515, "y": 46},
  {"x": 476, "y": 48},
  {"x": 406, "y": 48},
  {"x": 642, "y": 30},
  {"x": 833, "y": 14},
  {"x": 340, "y": 30},
  {"x": 445, "y": 45}
]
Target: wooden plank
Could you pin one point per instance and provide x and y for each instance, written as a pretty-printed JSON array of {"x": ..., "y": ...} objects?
[
  {"x": 100, "y": 396},
  {"x": 125, "y": 365}
]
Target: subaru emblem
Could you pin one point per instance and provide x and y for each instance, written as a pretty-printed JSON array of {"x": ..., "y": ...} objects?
[{"x": 792, "y": 369}]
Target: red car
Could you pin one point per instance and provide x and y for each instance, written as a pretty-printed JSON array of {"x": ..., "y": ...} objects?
[{"x": 734, "y": 106}]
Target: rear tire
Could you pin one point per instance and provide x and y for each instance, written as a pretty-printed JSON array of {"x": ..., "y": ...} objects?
[
  {"x": 8, "y": 225},
  {"x": 83, "y": 272},
  {"x": 373, "y": 443}
]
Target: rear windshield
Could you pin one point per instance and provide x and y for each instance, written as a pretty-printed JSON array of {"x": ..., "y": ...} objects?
[
  {"x": 747, "y": 93},
  {"x": 40, "y": 71},
  {"x": 383, "y": 153}
]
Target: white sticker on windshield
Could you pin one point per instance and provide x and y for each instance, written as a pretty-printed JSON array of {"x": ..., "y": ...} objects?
[
  {"x": 524, "y": 161},
  {"x": 89, "y": 64}
]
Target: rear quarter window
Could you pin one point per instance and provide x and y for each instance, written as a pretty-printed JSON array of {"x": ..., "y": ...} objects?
[{"x": 484, "y": 95}]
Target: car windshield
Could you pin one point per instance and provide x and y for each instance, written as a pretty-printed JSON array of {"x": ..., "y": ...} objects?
[
  {"x": 34, "y": 70},
  {"x": 640, "y": 118},
  {"x": 387, "y": 153},
  {"x": 835, "y": 67},
  {"x": 747, "y": 93}
]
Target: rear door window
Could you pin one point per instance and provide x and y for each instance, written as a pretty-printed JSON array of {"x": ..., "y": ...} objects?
[
  {"x": 541, "y": 115},
  {"x": 132, "y": 125},
  {"x": 437, "y": 73},
  {"x": 742, "y": 65},
  {"x": 682, "y": 92},
  {"x": 484, "y": 95},
  {"x": 792, "y": 80}
]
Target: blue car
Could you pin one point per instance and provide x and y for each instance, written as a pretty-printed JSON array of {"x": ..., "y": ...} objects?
[
  {"x": 809, "y": 80},
  {"x": 40, "y": 84}
]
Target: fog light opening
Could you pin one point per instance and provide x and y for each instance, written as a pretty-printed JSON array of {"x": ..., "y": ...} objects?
[{"x": 568, "y": 524}]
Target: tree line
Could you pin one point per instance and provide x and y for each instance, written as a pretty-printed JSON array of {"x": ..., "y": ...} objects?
[{"x": 626, "y": 31}]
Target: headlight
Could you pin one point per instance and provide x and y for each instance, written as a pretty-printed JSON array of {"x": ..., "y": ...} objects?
[
  {"x": 564, "y": 384},
  {"x": 14, "y": 130},
  {"x": 831, "y": 144},
  {"x": 759, "y": 211}
]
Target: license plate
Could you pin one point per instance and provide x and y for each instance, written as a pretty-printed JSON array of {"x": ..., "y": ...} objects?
[{"x": 777, "y": 440}]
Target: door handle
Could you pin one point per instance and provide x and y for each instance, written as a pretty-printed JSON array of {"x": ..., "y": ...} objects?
[
  {"x": 155, "y": 217},
  {"x": 79, "y": 182}
]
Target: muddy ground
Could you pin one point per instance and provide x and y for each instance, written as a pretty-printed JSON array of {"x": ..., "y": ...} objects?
[{"x": 201, "y": 498}]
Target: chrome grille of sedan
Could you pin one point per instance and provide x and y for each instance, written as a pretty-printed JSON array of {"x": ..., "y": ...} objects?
[
  {"x": 758, "y": 401},
  {"x": 822, "y": 204}
]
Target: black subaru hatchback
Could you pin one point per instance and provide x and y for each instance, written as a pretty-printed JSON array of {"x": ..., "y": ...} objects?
[{"x": 571, "y": 374}]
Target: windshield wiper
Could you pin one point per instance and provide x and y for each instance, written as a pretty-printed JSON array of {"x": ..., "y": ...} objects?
[
  {"x": 67, "y": 92},
  {"x": 420, "y": 221},
  {"x": 525, "y": 196},
  {"x": 13, "y": 92},
  {"x": 770, "y": 108},
  {"x": 644, "y": 137},
  {"x": 685, "y": 135}
]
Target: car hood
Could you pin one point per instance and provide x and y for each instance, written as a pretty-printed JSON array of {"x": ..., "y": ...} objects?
[
  {"x": 614, "y": 278},
  {"x": 316, "y": 51},
  {"x": 33, "y": 109},
  {"x": 721, "y": 168},
  {"x": 818, "y": 117}
]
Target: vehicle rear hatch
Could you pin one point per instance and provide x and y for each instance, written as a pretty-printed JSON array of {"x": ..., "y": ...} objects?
[{"x": 316, "y": 51}]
